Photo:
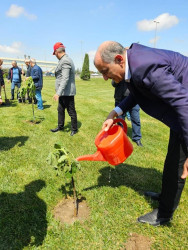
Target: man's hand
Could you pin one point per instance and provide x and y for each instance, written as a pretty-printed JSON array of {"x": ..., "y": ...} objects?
[
  {"x": 8, "y": 81},
  {"x": 56, "y": 97},
  {"x": 185, "y": 170},
  {"x": 109, "y": 121}
]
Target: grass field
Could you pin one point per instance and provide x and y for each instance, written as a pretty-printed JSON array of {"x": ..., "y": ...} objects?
[{"x": 29, "y": 188}]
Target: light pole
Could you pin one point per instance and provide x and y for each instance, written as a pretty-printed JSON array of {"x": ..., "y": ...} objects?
[
  {"x": 155, "y": 33},
  {"x": 81, "y": 53}
]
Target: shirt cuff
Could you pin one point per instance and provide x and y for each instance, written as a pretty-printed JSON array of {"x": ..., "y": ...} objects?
[{"x": 118, "y": 111}]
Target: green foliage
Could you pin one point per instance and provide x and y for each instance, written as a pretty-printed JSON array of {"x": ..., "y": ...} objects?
[
  {"x": 65, "y": 165},
  {"x": 5, "y": 73},
  {"x": 85, "y": 74},
  {"x": 22, "y": 92},
  {"x": 63, "y": 162},
  {"x": 31, "y": 87},
  {"x": 31, "y": 90}
]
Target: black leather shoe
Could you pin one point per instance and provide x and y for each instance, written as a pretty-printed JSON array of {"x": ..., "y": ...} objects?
[
  {"x": 56, "y": 129},
  {"x": 154, "y": 196},
  {"x": 138, "y": 143},
  {"x": 153, "y": 218},
  {"x": 73, "y": 132}
]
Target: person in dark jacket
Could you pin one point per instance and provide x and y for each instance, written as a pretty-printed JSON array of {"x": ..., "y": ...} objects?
[
  {"x": 120, "y": 93},
  {"x": 37, "y": 76},
  {"x": 158, "y": 82},
  {"x": 14, "y": 76},
  {"x": 2, "y": 83}
]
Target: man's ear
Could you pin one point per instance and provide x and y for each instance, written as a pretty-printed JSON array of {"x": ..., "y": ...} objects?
[{"x": 118, "y": 59}]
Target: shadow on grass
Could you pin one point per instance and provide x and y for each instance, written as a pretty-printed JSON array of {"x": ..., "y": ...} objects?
[
  {"x": 8, "y": 104},
  {"x": 7, "y": 143},
  {"x": 22, "y": 218},
  {"x": 68, "y": 126},
  {"x": 137, "y": 178},
  {"x": 46, "y": 106}
]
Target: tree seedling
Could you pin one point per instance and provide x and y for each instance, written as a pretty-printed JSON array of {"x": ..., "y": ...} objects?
[
  {"x": 31, "y": 90},
  {"x": 65, "y": 164}
]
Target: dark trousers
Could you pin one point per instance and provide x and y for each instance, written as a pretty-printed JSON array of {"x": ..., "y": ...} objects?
[
  {"x": 67, "y": 102},
  {"x": 172, "y": 184}
]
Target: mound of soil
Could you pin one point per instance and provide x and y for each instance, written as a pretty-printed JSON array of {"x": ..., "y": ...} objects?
[
  {"x": 64, "y": 211},
  {"x": 32, "y": 122},
  {"x": 138, "y": 242}
]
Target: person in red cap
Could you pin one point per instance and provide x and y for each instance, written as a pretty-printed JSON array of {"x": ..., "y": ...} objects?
[{"x": 65, "y": 88}]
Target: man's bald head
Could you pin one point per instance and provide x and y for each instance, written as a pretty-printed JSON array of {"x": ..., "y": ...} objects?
[
  {"x": 108, "y": 50},
  {"x": 110, "y": 60}
]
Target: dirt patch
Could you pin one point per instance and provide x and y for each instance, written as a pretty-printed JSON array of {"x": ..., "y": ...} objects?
[
  {"x": 64, "y": 211},
  {"x": 32, "y": 122},
  {"x": 138, "y": 242}
]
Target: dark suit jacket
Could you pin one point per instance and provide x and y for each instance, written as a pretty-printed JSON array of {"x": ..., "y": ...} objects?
[
  {"x": 159, "y": 84},
  {"x": 37, "y": 76}
]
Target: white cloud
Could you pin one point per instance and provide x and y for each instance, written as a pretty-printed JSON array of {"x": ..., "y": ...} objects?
[
  {"x": 165, "y": 20},
  {"x": 13, "y": 49},
  {"x": 16, "y": 11}
]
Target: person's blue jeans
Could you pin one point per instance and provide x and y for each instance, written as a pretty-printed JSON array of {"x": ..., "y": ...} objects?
[
  {"x": 13, "y": 84},
  {"x": 39, "y": 99},
  {"x": 135, "y": 121}
]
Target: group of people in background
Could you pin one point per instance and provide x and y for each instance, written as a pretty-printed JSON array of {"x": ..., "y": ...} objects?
[
  {"x": 65, "y": 85},
  {"x": 2, "y": 82},
  {"x": 15, "y": 78},
  {"x": 157, "y": 82}
]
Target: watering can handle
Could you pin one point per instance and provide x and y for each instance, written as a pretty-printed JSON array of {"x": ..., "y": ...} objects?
[{"x": 123, "y": 123}]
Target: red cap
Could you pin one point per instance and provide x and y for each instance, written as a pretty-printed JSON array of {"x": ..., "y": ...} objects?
[{"x": 57, "y": 46}]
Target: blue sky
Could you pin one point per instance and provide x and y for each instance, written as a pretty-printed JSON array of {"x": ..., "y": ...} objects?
[{"x": 32, "y": 27}]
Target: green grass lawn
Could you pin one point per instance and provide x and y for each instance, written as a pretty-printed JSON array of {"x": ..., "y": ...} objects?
[{"x": 29, "y": 188}]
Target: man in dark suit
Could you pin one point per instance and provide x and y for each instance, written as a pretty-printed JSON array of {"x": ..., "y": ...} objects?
[{"x": 158, "y": 82}]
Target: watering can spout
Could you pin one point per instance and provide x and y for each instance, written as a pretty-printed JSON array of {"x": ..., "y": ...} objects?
[{"x": 95, "y": 157}]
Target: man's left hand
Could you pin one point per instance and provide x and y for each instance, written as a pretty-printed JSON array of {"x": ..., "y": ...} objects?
[
  {"x": 56, "y": 97},
  {"x": 185, "y": 170}
]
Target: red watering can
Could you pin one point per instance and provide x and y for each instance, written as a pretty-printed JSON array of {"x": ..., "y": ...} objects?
[{"x": 113, "y": 145}]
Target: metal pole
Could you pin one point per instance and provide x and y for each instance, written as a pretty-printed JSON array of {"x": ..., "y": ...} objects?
[
  {"x": 82, "y": 53},
  {"x": 155, "y": 39}
]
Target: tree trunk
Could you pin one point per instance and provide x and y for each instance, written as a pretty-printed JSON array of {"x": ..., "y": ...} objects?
[{"x": 75, "y": 199}]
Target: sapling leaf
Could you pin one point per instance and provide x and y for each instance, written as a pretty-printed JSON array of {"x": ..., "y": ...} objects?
[
  {"x": 74, "y": 167},
  {"x": 63, "y": 159},
  {"x": 58, "y": 146},
  {"x": 68, "y": 175}
]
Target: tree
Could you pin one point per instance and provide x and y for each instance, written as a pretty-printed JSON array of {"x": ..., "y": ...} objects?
[
  {"x": 85, "y": 74},
  {"x": 64, "y": 163}
]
